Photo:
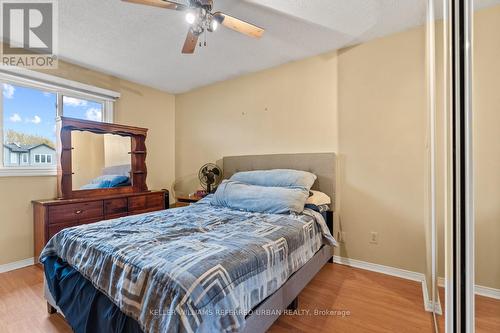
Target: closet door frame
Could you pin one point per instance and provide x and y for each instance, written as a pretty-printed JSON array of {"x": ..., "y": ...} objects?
[{"x": 462, "y": 182}]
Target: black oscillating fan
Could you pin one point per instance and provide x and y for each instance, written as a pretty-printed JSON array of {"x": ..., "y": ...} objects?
[{"x": 210, "y": 176}]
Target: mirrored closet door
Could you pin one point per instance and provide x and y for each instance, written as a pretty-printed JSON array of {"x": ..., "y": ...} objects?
[
  {"x": 468, "y": 218},
  {"x": 486, "y": 165}
]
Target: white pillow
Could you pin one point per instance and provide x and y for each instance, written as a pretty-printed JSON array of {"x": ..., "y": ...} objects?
[{"x": 318, "y": 198}]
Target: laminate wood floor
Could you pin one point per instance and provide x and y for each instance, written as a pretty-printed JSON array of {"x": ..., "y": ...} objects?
[{"x": 364, "y": 302}]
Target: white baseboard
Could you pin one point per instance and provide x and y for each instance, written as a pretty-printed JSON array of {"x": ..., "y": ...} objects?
[
  {"x": 409, "y": 275},
  {"x": 16, "y": 265},
  {"x": 397, "y": 272},
  {"x": 479, "y": 290},
  {"x": 487, "y": 292}
]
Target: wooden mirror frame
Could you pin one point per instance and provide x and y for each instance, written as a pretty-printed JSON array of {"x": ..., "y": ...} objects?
[{"x": 138, "y": 153}]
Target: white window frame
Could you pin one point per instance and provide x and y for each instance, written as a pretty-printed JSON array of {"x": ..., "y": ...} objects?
[{"x": 61, "y": 87}]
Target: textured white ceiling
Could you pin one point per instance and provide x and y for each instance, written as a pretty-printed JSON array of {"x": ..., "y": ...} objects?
[{"x": 143, "y": 44}]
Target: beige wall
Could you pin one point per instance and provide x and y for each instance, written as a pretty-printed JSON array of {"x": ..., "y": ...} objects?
[
  {"x": 382, "y": 132},
  {"x": 138, "y": 106},
  {"x": 16, "y": 214},
  {"x": 291, "y": 108}
]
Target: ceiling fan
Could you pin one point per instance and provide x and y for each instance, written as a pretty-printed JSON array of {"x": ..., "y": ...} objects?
[{"x": 199, "y": 15}]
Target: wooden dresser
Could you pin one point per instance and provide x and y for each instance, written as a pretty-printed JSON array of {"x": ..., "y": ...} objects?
[
  {"x": 83, "y": 206},
  {"x": 52, "y": 216}
]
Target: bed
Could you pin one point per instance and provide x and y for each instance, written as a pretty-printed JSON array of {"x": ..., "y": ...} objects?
[{"x": 237, "y": 275}]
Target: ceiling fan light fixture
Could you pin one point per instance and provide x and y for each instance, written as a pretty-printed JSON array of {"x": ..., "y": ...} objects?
[
  {"x": 199, "y": 15},
  {"x": 214, "y": 25},
  {"x": 190, "y": 18}
]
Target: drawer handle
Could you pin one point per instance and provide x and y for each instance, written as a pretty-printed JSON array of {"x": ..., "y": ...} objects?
[{"x": 77, "y": 212}]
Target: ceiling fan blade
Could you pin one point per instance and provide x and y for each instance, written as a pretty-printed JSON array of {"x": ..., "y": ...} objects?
[
  {"x": 190, "y": 43},
  {"x": 160, "y": 3},
  {"x": 239, "y": 25}
]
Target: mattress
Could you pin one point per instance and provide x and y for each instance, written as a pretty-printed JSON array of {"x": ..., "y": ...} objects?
[{"x": 200, "y": 268}]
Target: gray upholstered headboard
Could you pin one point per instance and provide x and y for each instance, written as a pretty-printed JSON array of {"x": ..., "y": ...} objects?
[{"x": 323, "y": 165}]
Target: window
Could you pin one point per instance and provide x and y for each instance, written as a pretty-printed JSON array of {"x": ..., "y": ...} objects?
[
  {"x": 29, "y": 106},
  {"x": 43, "y": 159},
  {"x": 82, "y": 108},
  {"x": 13, "y": 158},
  {"x": 29, "y": 120}
]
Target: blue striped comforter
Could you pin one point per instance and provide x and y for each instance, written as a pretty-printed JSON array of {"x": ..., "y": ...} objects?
[{"x": 196, "y": 269}]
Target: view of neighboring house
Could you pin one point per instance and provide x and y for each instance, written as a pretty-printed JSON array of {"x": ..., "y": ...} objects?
[{"x": 36, "y": 155}]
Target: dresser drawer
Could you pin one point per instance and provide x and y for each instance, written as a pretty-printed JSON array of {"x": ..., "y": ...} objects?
[
  {"x": 146, "y": 203},
  {"x": 74, "y": 212},
  {"x": 115, "y": 207},
  {"x": 54, "y": 229}
]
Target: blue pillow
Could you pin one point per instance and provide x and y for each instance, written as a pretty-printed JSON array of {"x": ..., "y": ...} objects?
[
  {"x": 277, "y": 178},
  {"x": 106, "y": 181},
  {"x": 262, "y": 199}
]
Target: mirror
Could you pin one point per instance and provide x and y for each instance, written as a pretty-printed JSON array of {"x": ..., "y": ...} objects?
[
  {"x": 100, "y": 161},
  {"x": 486, "y": 166},
  {"x": 98, "y": 149}
]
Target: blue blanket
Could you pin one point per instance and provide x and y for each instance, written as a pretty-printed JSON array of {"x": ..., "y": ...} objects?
[
  {"x": 196, "y": 269},
  {"x": 85, "y": 308}
]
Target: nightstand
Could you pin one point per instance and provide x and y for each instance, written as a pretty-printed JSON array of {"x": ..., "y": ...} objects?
[{"x": 186, "y": 200}]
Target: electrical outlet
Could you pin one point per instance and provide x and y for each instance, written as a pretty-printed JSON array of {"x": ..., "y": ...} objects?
[{"x": 374, "y": 237}]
